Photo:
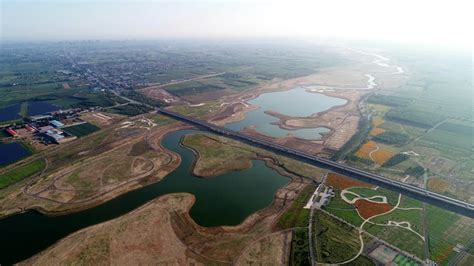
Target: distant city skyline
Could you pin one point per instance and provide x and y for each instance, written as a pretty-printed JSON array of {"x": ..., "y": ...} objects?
[{"x": 437, "y": 22}]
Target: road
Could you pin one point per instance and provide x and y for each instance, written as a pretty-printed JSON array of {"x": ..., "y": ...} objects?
[{"x": 421, "y": 194}]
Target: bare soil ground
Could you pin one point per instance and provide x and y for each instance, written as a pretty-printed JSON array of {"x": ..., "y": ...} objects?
[
  {"x": 162, "y": 232},
  {"x": 101, "y": 119},
  {"x": 157, "y": 93},
  {"x": 145, "y": 236},
  {"x": 125, "y": 157},
  {"x": 273, "y": 249}
]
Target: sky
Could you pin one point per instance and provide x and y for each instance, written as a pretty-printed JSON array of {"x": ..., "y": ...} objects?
[{"x": 446, "y": 22}]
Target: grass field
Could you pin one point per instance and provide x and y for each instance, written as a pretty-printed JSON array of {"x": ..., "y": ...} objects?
[
  {"x": 411, "y": 216},
  {"x": 343, "y": 210},
  {"x": 296, "y": 215},
  {"x": 21, "y": 172},
  {"x": 404, "y": 261},
  {"x": 398, "y": 237},
  {"x": 81, "y": 129},
  {"x": 335, "y": 241},
  {"x": 392, "y": 197}
]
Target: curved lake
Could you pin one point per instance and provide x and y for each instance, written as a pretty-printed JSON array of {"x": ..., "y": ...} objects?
[
  {"x": 296, "y": 102},
  {"x": 11, "y": 152},
  {"x": 224, "y": 200}
]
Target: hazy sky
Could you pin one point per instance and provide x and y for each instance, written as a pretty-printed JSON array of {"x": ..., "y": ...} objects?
[{"x": 444, "y": 22}]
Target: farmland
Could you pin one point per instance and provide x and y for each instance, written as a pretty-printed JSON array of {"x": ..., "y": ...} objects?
[
  {"x": 336, "y": 241},
  {"x": 446, "y": 233},
  {"x": 21, "y": 172},
  {"x": 296, "y": 215},
  {"x": 81, "y": 129}
]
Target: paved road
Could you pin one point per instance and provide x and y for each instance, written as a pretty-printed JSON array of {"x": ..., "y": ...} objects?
[{"x": 422, "y": 194}]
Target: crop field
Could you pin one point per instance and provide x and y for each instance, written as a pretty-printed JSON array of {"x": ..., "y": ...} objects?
[
  {"x": 368, "y": 209},
  {"x": 21, "y": 172},
  {"x": 366, "y": 149},
  {"x": 335, "y": 241},
  {"x": 342, "y": 182},
  {"x": 451, "y": 136},
  {"x": 446, "y": 233},
  {"x": 377, "y": 131},
  {"x": 378, "y": 121},
  {"x": 438, "y": 185},
  {"x": 382, "y": 155},
  {"x": 81, "y": 129},
  {"x": 399, "y": 237}
]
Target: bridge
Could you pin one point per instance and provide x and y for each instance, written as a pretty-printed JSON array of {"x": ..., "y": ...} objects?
[{"x": 421, "y": 194}]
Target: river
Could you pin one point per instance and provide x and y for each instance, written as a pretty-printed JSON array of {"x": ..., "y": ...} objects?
[{"x": 224, "y": 200}]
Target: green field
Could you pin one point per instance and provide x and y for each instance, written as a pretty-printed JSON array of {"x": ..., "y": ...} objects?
[
  {"x": 296, "y": 215},
  {"x": 404, "y": 261},
  {"x": 130, "y": 109},
  {"x": 300, "y": 248},
  {"x": 399, "y": 237},
  {"x": 21, "y": 172},
  {"x": 445, "y": 233},
  {"x": 392, "y": 197},
  {"x": 335, "y": 241},
  {"x": 81, "y": 129},
  {"x": 343, "y": 210},
  {"x": 411, "y": 216}
]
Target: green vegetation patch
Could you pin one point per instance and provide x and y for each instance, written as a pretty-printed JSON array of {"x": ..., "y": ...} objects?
[
  {"x": 21, "y": 172},
  {"x": 335, "y": 241},
  {"x": 130, "y": 109},
  {"x": 446, "y": 232},
  {"x": 398, "y": 158},
  {"x": 399, "y": 237},
  {"x": 404, "y": 261},
  {"x": 414, "y": 117},
  {"x": 392, "y": 197},
  {"x": 354, "y": 143},
  {"x": 81, "y": 129},
  {"x": 389, "y": 100},
  {"x": 411, "y": 216},
  {"x": 451, "y": 136},
  {"x": 393, "y": 138},
  {"x": 415, "y": 171},
  {"x": 300, "y": 247},
  {"x": 296, "y": 215},
  {"x": 338, "y": 207}
]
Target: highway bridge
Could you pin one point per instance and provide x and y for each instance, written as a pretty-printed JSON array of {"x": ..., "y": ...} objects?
[{"x": 424, "y": 195}]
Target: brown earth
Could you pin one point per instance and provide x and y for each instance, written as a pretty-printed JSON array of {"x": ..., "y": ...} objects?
[
  {"x": 368, "y": 209},
  {"x": 101, "y": 119},
  {"x": 342, "y": 182},
  {"x": 109, "y": 163},
  {"x": 270, "y": 250},
  {"x": 142, "y": 237},
  {"x": 163, "y": 232}
]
